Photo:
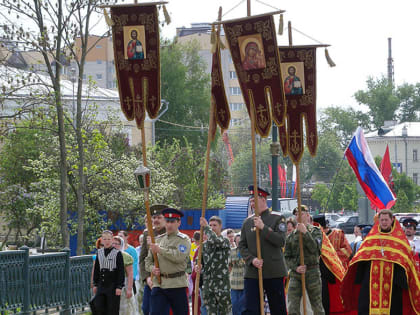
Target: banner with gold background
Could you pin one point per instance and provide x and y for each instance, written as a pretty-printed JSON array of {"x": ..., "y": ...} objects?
[
  {"x": 253, "y": 47},
  {"x": 298, "y": 64},
  {"x": 135, "y": 34}
]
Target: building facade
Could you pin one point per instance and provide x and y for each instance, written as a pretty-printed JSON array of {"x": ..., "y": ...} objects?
[{"x": 403, "y": 141}]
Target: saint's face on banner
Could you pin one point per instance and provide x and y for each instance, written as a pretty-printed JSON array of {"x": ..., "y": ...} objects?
[
  {"x": 293, "y": 78},
  {"x": 252, "y": 52},
  {"x": 135, "y": 43}
]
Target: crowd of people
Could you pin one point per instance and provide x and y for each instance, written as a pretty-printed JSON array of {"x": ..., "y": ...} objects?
[{"x": 377, "y": 273}]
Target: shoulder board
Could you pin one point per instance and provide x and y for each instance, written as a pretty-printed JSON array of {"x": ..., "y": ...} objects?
[
  {"x": 161, "y": 235},
  {"x": 182, "y": 235}
]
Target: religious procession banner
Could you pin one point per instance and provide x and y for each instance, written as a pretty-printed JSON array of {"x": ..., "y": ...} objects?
[
  {"x": 221, "y": 111},
  {"x": 253, "y": 47},
  {"x": 135, "y": 34},
  {"x": 298, "y": 65}
]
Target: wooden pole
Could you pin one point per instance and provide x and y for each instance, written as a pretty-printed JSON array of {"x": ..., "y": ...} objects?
[
  {"x": 146, "y": 199},
  {"x": 204, "y": 204},
  {"x": 254, "y": 174},
  {"x": 301, "y": 260},
  {"x": 256, "y": 208},
  {"x": 212, "y": 126}
]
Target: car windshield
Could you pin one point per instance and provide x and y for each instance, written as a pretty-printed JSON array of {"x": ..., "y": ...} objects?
[{"x": 342, "y": 219}]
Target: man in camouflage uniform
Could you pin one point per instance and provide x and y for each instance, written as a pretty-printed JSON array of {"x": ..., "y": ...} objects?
[
  {"x": 215, "y": 271},
  {"x": 312, "y": 243},
  {"x": 158, "y": 222},
  {"x": 172, "y": 250}
]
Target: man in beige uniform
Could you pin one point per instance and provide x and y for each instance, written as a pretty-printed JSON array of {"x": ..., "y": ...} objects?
[{"x": 172, "y": 249}]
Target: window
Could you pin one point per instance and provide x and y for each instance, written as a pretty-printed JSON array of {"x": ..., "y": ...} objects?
[
  {"x": 232, "y": 75},
  {"x": 84, "y": 77},
  {"x": 99, "y": 46},
  {"x": 236, "y": 90},
  {"x": 235, "y": 122},
  {"x": 99, "y": 76},
  {"x": 99, "y": 61},
  {"x": 415, "y": 155},
  {"x": 415, "y": 178},
  {"x": 236, "y": 106}
]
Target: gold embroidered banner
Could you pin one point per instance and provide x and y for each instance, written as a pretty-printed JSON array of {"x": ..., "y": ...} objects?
[
  {"x": 222, "y": 112},
  {"x": 253, "y": 47},
  {"x": 298, "y": 64},
  {"x": 135, "y": 35}
]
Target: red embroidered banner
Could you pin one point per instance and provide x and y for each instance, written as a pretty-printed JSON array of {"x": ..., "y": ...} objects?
[
  {"x": 135, "y": 35},
  {"x": 222, "y": 111},
  {"x": 253, "y": 47},
  {"x": 298, "y": 64}
]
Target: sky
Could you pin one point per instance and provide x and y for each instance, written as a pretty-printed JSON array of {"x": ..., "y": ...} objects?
[{"x": 357, "y": 31}]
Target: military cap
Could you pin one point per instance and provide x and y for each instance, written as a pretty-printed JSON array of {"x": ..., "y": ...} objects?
[
  {"x": 366, "y": 230},
  {"x": 410, "y": 222},
  {"x": 172, "y": 214},
  {"x": 157, "y": 209},
  {"x": 261, "y": 192},
  {"x": 302, "y": 208},
  {"x": 320, "y": 219}
]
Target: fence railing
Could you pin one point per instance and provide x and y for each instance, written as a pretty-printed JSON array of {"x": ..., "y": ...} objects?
[{"x": 30, "y": 283}]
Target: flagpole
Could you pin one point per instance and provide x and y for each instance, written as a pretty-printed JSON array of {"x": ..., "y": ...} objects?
[{"x": 212, "y": 126}]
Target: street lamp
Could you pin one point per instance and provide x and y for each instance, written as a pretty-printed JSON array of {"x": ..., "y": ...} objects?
[
  {"x": 404, "y": 135},
  {"x": 142, "y": 175}
]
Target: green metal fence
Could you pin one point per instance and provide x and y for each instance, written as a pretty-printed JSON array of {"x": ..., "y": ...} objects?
[{"x": 33, "y": 283}]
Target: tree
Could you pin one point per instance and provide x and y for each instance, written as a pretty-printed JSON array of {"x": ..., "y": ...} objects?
[
  {"x": 51, "y": 28},
  {"x": 380, "y": 99},
  {"x": 321, "y": 194},
  {"x": 409, "y": 96},
  {"x": 343, "y": 122},
  {"x": 186, "y": 163},
  {"x": 186, "y": 87}
]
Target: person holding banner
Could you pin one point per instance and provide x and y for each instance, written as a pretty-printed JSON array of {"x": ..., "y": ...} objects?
[
  {"x": 158, "y": 222},
  {"x": 272, "y": 238},
  {"x": 173, "y": 250},
  {"x": 312, "y": 240}
]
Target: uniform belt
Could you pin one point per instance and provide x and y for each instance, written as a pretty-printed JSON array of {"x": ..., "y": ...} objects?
[{"x": 172, "y": 275}]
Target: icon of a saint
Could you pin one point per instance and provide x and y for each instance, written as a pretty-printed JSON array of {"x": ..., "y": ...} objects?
[
  {"x": 292, "y": 83},
  {"x": 134, "y": 47},
  {"x": 253, "y": 57}
]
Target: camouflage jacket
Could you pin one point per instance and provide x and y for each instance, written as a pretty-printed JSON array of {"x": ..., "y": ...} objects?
[{"x": 215, "y": 262}]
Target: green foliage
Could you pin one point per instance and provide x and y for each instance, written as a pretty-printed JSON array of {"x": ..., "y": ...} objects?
[
  {"x": 380, "y": 99},
  {"x": 402, "y": 204},
  {"x": 342, "y": 122},
  {"x": 409, "y": 96},
  {"x": 185, "y": 85},
  {"x": 320, "y": 194},
  {"x": 186, "y": 164}
]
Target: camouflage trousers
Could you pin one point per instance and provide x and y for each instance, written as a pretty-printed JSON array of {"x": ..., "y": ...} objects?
[
  {"x": 313, "y": 288},
  {"x": 217, "y": 301}
]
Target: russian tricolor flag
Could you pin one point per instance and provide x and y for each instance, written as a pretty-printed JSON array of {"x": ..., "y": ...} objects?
[{"x": 368, "y": 174}]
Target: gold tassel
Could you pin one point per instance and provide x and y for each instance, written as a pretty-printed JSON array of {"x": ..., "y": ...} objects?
[
  {"x": 166, "y": 14},
  {"x": 329, "y": 60},
  {"x": 281, "y": 25},
  {"x": 108, "y": 20},
  {"x": 213, "y": 39},
  {"x": 222, "y": 46}
]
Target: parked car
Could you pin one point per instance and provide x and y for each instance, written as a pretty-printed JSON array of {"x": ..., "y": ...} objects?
[
  {"x": 332, "y": 219},
  {"x": 347, "y": 224}
]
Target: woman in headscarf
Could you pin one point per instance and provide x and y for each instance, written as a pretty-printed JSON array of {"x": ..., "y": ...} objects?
[{"x": 128, "y": 304}]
